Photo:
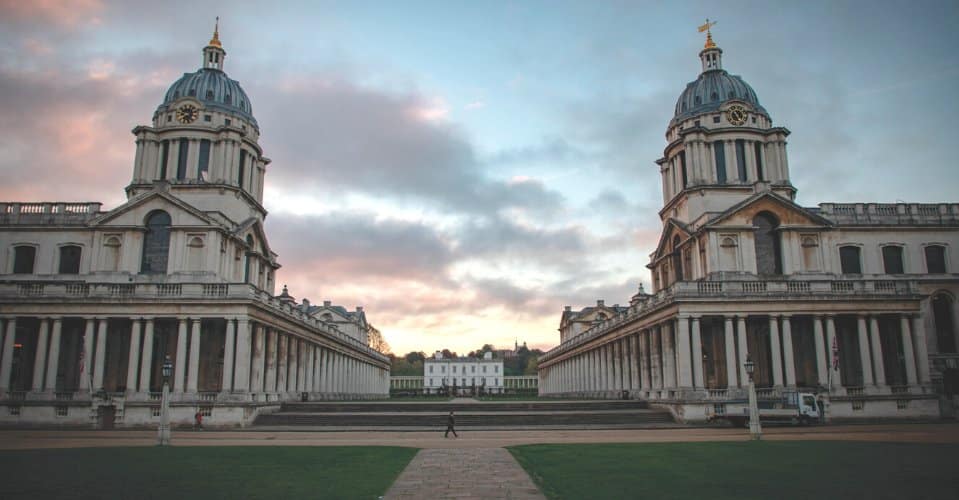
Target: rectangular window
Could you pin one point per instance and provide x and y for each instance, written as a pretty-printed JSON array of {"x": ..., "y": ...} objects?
[
  {"x": 720, "y": 151},
  {"x": 849, "y": 260},
  {"x": 682, "y": 166},
  {"x": 204, "y": 166},
  {"x": 741, "y": 159},
  {"x": 241, "y": 174},
  {"x": 431, "y": 368},
  {"x": 208, "y": 118},
  {"x": 936, "y": 259},
  {"x": 164, "y": 156},
  {"x": 23, "y": 259},
  {"x": 70, "y": 259},
  {"x": 181, "y": 160},
  {"x": 484, "y": 368},
  {"x": 716, "y": 119},
  {"x": 759, "y": 160},
  {"x": 892, "y": 259}
]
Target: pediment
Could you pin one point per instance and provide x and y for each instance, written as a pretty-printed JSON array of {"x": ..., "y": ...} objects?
[
  {"x": 786, "y": 211},
  {"x": 134, "y": 212},
  {"x": 671, "y": 229}
]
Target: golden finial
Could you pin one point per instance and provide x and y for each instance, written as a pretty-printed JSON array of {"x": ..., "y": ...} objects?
[
  {"x": 709, "y": 36},
  {"x": 215, "y": 41}
]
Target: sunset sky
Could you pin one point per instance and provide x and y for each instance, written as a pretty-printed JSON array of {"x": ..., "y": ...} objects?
[{"x": 465, "y": 169}]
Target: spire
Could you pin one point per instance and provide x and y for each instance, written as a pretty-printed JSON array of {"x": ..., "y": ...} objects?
[
  {"x": 215, "y": 41},
  {"x": 213, "y": 53},
  {"x": 711, "y": 55}
]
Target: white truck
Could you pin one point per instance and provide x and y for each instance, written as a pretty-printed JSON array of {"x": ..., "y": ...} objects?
[{"x": 797, "y": 408}]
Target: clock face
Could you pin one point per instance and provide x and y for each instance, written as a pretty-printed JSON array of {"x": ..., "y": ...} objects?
[
  {"x": 736, "y": 114},
  {"x": 187, "y": 113}
]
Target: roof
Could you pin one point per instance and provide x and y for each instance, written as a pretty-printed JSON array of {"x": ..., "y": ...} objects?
[
  {"x": 214, "y": 89},
  {"x": 710, "y": 91}
]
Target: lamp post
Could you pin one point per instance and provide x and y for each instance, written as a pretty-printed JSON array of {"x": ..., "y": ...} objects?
[
  {"x": 164, "y": 433},
  {"x": 755, "y": 429}
]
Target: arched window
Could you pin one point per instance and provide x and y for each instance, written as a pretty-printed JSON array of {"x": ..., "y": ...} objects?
[
  {"x": 156, "y": 243},
  {"x": 24, "y": 257},
  {"x": 714, "y": 96},
  {"x": 942, "y": 305},
  {"x": 70, "y": 259},
  {"x": 768, "y": 248},
  {"x": 327, "y": 317},
  {"x": 849, "y": 259},
  {"x": 247, "y": 262}
]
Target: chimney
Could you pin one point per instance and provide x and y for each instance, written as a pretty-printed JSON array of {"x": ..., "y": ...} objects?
[
  {"x": 326, "y": 303},
  {"x": 567, "y": 308},
  {"x": 359, "y": 309},
  {"x": 600, "y": 303}
]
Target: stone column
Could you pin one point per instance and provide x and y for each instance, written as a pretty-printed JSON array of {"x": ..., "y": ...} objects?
[
  {"x": 643, "y": 340},
  {"x": 228, "y": 355},
  {"x": 880, "y": 369},
  {"x": 192, "y": 384},
  {"x": 241, "y": 374},
  {"x": 655, "y": 358},
  {"x": 39, "y": 358},
  {"x": 610, "y": 371},
  {"x": 292, "y": 378},
  {"x": 134, "y": 355},
  {"x": 6, "y": 360},
  {"x": 776, "y": 351},
  {"x": 743, "y": 350},
  {"x": 907, "y": 351},
  {"x": 634, "y": 361},
  {"x": 146, "y": 361},
  {"x": 669, "y": 353},
  {"x": 790, "y": 359},
  {"x": 922, "y": 350},
  {"x": 682, "y": 344},
  {"x": 98, "y": 368},
  {"x": 834, "y": 374},
  {"x": 864, "y": 352},
  {"x": 53, "y": 361},
  {"x": 259, "y": 358},
  {"x": 181, "y": 361},
  {"x": 617, "y": 366},
  {"x": 270, "y": 359},
  {"x": 730, "y": 338},
  {"x": 697, "y": 343},
  {"x": 822, "y": 363},
  {"x": 282, "y": 362}
]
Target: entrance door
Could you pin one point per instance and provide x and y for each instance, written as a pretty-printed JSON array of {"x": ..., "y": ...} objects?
[{"x": 106, "y": 416}]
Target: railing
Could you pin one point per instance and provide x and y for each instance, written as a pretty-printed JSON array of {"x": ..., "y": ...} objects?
[
  {"x": 30, "y": 289},
  {"x": 63, "y": 396},
  {"x": 208, "y": 396},
  {"x": 717, "y": 393},
  {"x": 122, "y": 289},
  {"x": 48, "y": 212},
  {"x": 216, "y": 290},
  {"x": 890, "y": 213},
  {"x": 169, "y": 290},
  {"x": 78, "y": 289},
  {"x": 155, "y": 396},
  {"x": 899, "y": 389},
  {"x": 856, "y": 391}
]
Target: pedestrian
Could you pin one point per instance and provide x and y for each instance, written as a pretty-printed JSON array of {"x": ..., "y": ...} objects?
[
  {"x": 822, "y": 409},
  {"x": 450, "y": 421},
  {"x": 198, "y": 421}
]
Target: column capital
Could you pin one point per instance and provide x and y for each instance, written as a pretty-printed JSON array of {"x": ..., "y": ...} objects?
[{"x": 786, "y": 315}]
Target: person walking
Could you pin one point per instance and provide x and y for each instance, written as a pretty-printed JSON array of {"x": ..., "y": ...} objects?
[
  {"x": 822, "y": 409},
  {"x": 450, "y": 422},
  {"x": 198, "y": 420}
]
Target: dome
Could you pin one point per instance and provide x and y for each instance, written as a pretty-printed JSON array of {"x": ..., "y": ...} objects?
[
  {"x": 710, "y": 91},
  {"x": 214, "y": 89}
]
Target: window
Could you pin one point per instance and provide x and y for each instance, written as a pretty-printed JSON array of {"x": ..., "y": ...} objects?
[
  {"x": 892, "y": 259},
  {"x": 70, "y": 259},
  {"x": 23, "y": 259},
  {"x": 228, "y": 99},
  {"x": 454, "y": 368},
  {"x": 431, "y": 371},
  {"x": 758, "y": 150},
  {"x": 241, "y": 173},
  {"x": 227, "y": 122},
  {"x": 192, "y": 92},
  {"x": 714, "y": 96},
  {"x": 484, "y": 368},
  {"x": 677, "y": 259},
  {"x": 741, "y": 159},
  {"x": 156, "y": 243},
  {"x": 682, "y": 166},
  {"x": 935, "y": 259},
  {"x": 164, "y": 155},
  {"x": 496, "y": 368},
  {"x": 203, "y": 166},
  {"x": 768, "y": 247},
  {"x": 720, "y": 152},
  {"x": 184, "y": 151},
  {"x": 849, "y": 260},
  {"x": 110, "y": 254},
  {"x": 716, "y": 119},
  {"x": 209, "y": 95},
  {"x": 942, "y": 305},
  {"x": 698, "y": 100},
  {"x": 208, "y": 118}
]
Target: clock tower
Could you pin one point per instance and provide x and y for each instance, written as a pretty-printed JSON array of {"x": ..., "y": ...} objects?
[
  {"x": 203, "y": 144},
  {"x": 722, "y": 145}
]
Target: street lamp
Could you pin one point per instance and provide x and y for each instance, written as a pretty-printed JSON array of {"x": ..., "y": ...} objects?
[
  {"x": 755, "y": 429},
  {"x": 164, "y": 434}
]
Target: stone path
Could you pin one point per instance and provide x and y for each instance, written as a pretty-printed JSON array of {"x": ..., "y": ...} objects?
[{"x": 463, "y": 473}]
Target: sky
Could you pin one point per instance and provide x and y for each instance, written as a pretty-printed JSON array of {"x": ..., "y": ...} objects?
[{"x": 463, "y": 170}]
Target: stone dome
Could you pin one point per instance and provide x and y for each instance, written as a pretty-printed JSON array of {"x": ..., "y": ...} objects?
[
  {"x": 710, "y": 91},
  {"x": 214, "y": 89}
]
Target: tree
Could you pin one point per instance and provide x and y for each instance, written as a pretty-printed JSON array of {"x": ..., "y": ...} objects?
[
  {"x": 377, "y": 342},
  {"x": 414, "y": 356}
]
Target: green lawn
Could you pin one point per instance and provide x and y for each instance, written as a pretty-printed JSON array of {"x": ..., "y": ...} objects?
[
  {"x": 766, "y": 470},
  {"x": 179, "y": 473}
]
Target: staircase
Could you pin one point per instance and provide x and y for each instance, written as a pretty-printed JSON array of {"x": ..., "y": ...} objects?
[{"x": 474, "y": 416}]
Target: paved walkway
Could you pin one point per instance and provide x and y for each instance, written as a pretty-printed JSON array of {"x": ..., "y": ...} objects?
[{"x": 462, "y": 474}]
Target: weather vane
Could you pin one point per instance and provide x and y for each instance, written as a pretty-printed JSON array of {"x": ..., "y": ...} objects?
[{"x": 709, "y": 36}]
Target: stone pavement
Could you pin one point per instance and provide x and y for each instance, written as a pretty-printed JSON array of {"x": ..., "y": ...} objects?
[{"x": 463, "y": 473}]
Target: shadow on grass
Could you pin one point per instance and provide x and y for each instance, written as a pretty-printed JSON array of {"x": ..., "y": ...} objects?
[
  {"x": 801, "y": 470},
  {"x": 177, "y": 473}
]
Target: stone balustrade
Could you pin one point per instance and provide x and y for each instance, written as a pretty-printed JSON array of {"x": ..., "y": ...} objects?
[
  {"x": 891, "y": 213},
  {"x": 48, "y": 212}
]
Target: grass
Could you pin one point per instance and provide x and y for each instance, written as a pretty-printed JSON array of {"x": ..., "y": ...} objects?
[
  {"x": 179, "y": 473},
  {"x": 801, "y": 470}
]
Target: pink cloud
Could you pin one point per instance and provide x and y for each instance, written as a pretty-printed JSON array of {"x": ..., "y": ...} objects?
[{"x": 64, "y": 13}]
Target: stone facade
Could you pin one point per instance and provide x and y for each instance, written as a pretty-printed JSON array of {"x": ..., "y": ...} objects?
[
  {"x": 856, "y": 300},
  {"x": 92, "y": 302},
  {"x": 462, "y": 375}
]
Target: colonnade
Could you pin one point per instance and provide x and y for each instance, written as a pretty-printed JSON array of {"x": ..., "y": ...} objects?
[
  {"x": 234, "y": 356},
  {"x": 670, "y": 359}
]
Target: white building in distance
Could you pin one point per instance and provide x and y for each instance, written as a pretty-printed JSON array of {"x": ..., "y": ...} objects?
[
  {"x": 92, "y": 302},
  {"x": 462, "y": 375},
  {"x": 857, "y": 300}
]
